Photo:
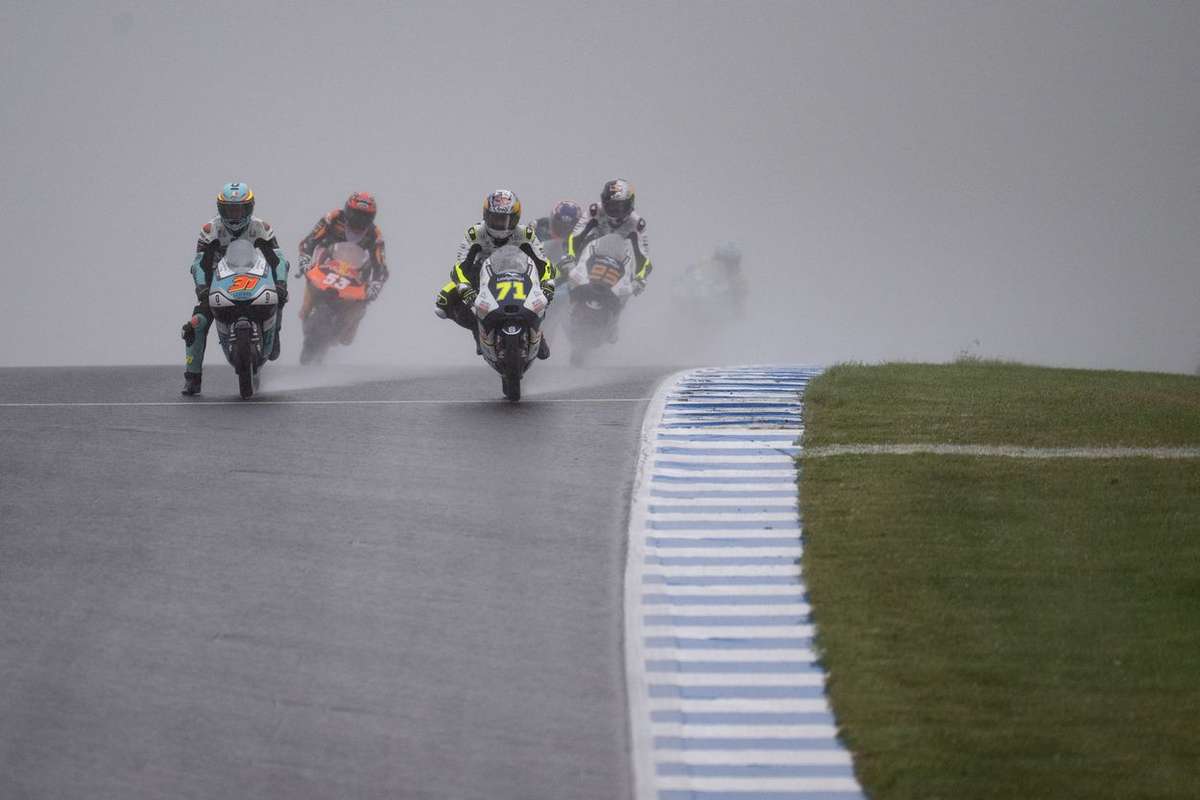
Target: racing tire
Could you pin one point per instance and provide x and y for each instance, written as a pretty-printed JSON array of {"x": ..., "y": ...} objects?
[
  {"x": 511, "y": 384},
  {"x": 243, "y": 350}
]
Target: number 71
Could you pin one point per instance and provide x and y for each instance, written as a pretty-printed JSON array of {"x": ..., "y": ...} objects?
[{"x": 516, "y": 287}]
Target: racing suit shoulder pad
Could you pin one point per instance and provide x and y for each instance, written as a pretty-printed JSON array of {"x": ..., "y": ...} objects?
[
  {"x": 209, "y": 231},
  {"x": 260, "y": 229}
]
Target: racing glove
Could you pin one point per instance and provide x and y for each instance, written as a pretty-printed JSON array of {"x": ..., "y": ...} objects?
[
  {"x": 282, "y": 289},
  {"x": 468, "y": 293},
  {"x": 548, "y": 290},
  {"x": 639, "y": 286},
  {"x": 373, "y": 289},
  {"x": 302, "y": 264}
]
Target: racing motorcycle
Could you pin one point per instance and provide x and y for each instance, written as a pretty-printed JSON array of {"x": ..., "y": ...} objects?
[
  {"x": 337, "y": 283},
  {"x": 509, "y": 309},
  {"x": 601, "y": 283},
  {"x": 244, "y": 304}
]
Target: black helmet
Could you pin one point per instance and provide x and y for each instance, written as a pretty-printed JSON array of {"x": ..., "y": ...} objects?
[{"x": 616, "y": 198}]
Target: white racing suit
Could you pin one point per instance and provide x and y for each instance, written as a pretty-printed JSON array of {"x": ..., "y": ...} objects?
[
  {"x": 597, "y": 224},
  {"x": 474, "y": 249}
]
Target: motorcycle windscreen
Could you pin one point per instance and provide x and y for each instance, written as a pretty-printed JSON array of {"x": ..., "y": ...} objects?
[
  {"x": 348, "y": 253},
  {"x": 242, "y": 258},
  {"x": 509, "y": 258}
]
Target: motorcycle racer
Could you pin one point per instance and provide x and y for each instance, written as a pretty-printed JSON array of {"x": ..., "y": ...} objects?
[
  {"x": 354, "y": 222},
  {"x": 235, "y": 220},
  {"x": 614, "y": 214},
  {"x": 562, "y": 220},
  {"x": 500, "y": 226},
  {"x": 721, "y": 276}
]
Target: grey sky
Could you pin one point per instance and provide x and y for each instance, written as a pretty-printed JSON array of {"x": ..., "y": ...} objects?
[{"x": 905, "y": 178}]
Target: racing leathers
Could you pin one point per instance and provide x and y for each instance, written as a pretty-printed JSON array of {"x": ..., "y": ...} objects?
[
  {"x": 477, "y": 245},
  {"x": 214, "y": 240},
  {"x": 332, "y": 229},
  {"x": 596, "y": 224}
]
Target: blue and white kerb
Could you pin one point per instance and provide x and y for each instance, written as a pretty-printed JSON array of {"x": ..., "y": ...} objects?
[{"x": 727, "y": 699}]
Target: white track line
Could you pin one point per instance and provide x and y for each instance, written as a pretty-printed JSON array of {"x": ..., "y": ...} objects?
[
  {"x": 338, "y": 402},
  {"x": 1005, "y": 451}
]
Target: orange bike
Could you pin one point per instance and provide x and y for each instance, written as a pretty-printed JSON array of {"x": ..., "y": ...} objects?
[{"x": 335, "y": 299}]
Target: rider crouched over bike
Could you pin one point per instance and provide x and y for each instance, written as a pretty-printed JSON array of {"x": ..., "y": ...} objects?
[
  {"x": 353, "y": 223},
  {"x": 235, "y": 220},
  {"x": 500, "y": 226},
  {"x": 614, "y": 214}
]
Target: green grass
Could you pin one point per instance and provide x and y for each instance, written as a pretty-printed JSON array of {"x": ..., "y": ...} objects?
[
  {"x": 1008, "y": 628},
  {"x": 1001, "y": 403}
]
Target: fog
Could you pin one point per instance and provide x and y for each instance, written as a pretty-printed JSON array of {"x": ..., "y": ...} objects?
[{"x": 908, "y": 181}]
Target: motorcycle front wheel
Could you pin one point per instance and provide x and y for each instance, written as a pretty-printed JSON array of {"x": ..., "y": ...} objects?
[{"x": 243, "y": 361}]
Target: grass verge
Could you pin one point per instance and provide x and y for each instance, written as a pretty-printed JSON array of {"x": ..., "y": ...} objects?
[
  {"x": 1008, "y": 628},
  {"x": 1001, "y": 403}
]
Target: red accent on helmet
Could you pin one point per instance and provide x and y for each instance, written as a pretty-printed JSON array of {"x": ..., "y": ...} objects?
[
  {"x": 360, "y": 211},
  {"x": 363, "y": 202}
]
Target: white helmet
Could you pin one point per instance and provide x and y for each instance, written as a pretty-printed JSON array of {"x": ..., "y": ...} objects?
[{"x": 501, "y": 214}]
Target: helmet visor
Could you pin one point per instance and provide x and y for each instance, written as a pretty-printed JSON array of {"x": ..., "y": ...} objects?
[
  {"x": 358, "y": 220},
  {"x": 561, "y": 226},
  {"x": 618, "y": 209},
  {"x": 500, "y": 222},
  {"x": 236, "y": 214}
]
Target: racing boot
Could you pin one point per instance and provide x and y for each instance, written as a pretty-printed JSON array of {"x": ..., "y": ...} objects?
[
  {"x": 191, "y": 384},
  {"x": 544, "y": 349},
  {"x": 274, "y": 346},
  {"x": 475, "y": 333}
]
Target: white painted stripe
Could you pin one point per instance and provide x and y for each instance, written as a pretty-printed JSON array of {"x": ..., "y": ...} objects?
[
  {"x": 699, "y": 503},
  {"x": 685, "y": 656},
  {"x": 752, "y": 757},
  {"x": 718, "y": 591},
  {"x": 743, "y": 679},
  {"x": 732, "y": 431},
  {"x": 783, "y": 459},
  {"x": 763, "y": 394},
  {"x": 801, "y": 609},
  {"x": 736, "y": 401},
  {"x": 755, "y": 785},
  {"x": 735, "y": 444},
  {"x": 637, "y": 685},
  {"x": 710, "y": 474},
  {"x": 266, "y": 400},
  {"x": 744, "y": 731},
  {"x": 729, "y": 631},
  {"x": 715, "y": 485},
  {"x": 725, "y": 533},
  {"x": 1003, "y": 451},
  {"x": 725, "y": 569},
  {"x": 804, "y": 705},
  {"x": 794, "y": 551},
  {"x": 695, "y": 515}
]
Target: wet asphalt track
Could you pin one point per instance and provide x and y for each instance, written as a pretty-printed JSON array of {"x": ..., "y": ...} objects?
[{"x": 255, "y": 600}]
